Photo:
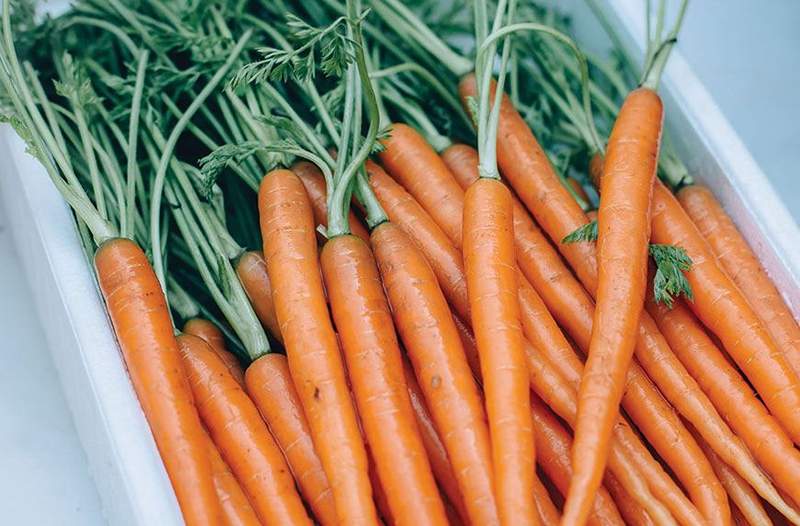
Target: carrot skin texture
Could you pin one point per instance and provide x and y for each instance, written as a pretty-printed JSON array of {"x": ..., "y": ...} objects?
[
  {"x": 242, "y": 436},
  {"x": 445, "y": 259},
  {"x": 741, "y": 264},
  {"x": 569, "y": 300},
  {"x": 623, "y": 235},
  {"x": 290, "y": 249},
  {"x": 492, "y": 284},
  {"x": 733, "y": 397},
  {"x": 252, "y": 271},
  {"x": 547, "y": 511},
  {"x": 270, "y": 386},
  {"x": 435, "y": 449},
  {"x": 553, "y": 444},
  {"x": 432, "y": 341},
  {"x": 413, "y": 163},
  {"x": 209, "y": 333},
  {"x": 236, "y": 508},
  {"x": 631, "y": 512},
  {"x": 314, "y": 182},
  {"x": 741, "y": 494},
  {"x": 138, "y": 312},
  {"x": 720, "y": 305},
  {"x": 375, "y": 369}
]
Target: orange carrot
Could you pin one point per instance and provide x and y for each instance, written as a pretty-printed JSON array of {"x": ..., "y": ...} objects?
[
  {"x": 739, "y": 491},
  {"x": 314, "y": 182},
  {"x": 440, "y": 252},
  {"x": 209, "y": 332},
  {"x": 437, "y": 454},
  {"x": 575, "y": 307},
  {"x": 290, "y": 248},
  {"x": 252, "y": 271},
  {"x": 241, "y": 436},
  {"x": 361, "y": 314},
  {"x": 426, "y": 326},
  {"x": 138, "y": 311},
  {"x": 722, "y": 307},
  {"x": 553, "y": 443},
  {"x": 631, "y": 512},
  {"x": 578, "y": 189},
  {"x": 547, "y": 511},
  {"x": 270, "y": 385},
  {"x": 623, "y": 236},
  {"x": 744, "y": 268},
  {"x": 731, "y": 395},
  {"x": 236, "y": 508},
  {"x": 413, "y": 163},
  {"x": 489, "y": 263}
]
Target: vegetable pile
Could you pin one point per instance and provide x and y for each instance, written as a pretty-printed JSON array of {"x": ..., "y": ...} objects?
[{"x": 411, "y": 263}]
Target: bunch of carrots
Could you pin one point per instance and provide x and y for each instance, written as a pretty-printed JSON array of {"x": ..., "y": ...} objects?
[{"x": 370, "y": 263}]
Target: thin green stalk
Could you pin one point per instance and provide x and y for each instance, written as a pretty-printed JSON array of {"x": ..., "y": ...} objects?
[
  {"x": 133, "y": 136},
  {"x": 652, "y": 74},
  {"x": 158, "y": 183}
]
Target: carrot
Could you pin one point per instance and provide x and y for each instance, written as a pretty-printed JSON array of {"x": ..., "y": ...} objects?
[
  {"x": 241, "y": 435},
  {"x": 722, "y": 307},
  {"x": 270, "y": 386},
  {"x": 443, "y": 257},
  {"x": 236, "y": 508},
  {"x": 740, "y": 492},
  {"x": 547, "y": 511},
  {"x": 491, "y": 284},
  {"x": 413, "y": 163},
  {"x": 744, "y": 268},
  {"x": 631, "y": 512},
  {"x": 314, "y": 182},
  {"x": 575, "y": 307},
  {"x": 437, "y": 454},
  {"x": 252, "y": 271},
  {"x": 426, "y": 327},
  {"x": 290, "y": 248},
  {"x": 553, "y": 444},
  {"x": 209, "y": 332},
  {"x": 525, "y": 165},
  {"x": 733, "y": 397},
  {"x": 138, "y": 311},
  {"x": 622, "y": 244},
  {"x": 361, "y": 314}
]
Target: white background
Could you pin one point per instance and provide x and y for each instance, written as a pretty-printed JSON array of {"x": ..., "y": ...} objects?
[{"x": 746, "y": 52}]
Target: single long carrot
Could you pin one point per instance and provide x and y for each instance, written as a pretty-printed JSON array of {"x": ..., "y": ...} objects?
[
  {"x": 372, "y": 353},
  {"x": 622, "y": 244},
  {"x": 434, "y": 447},
  {"x": 443, "y": 256},
  {"x": 236, "y": 508},
  {"x": 241, "y": 436},
  {"x": 290, "y": 248},
  {"x": 270, "y": 386},
  {"x": 431, "y": 339},
  {"x": 732, "y": 396},
  {"x": 142, "y": 324},
  {"x": 553, "y": 445},
  {"x": 489, "y": 264},
  {"x": 209, "y": 332},
  {"x": 741, "y": 494},
  {"x": 314, "y": 182},
  {"x": 252, "y": 271},
  {"x": 575, "y": 307},
  {"x": 741, "y": 264},
  {"x": 722, "y": 307}
]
